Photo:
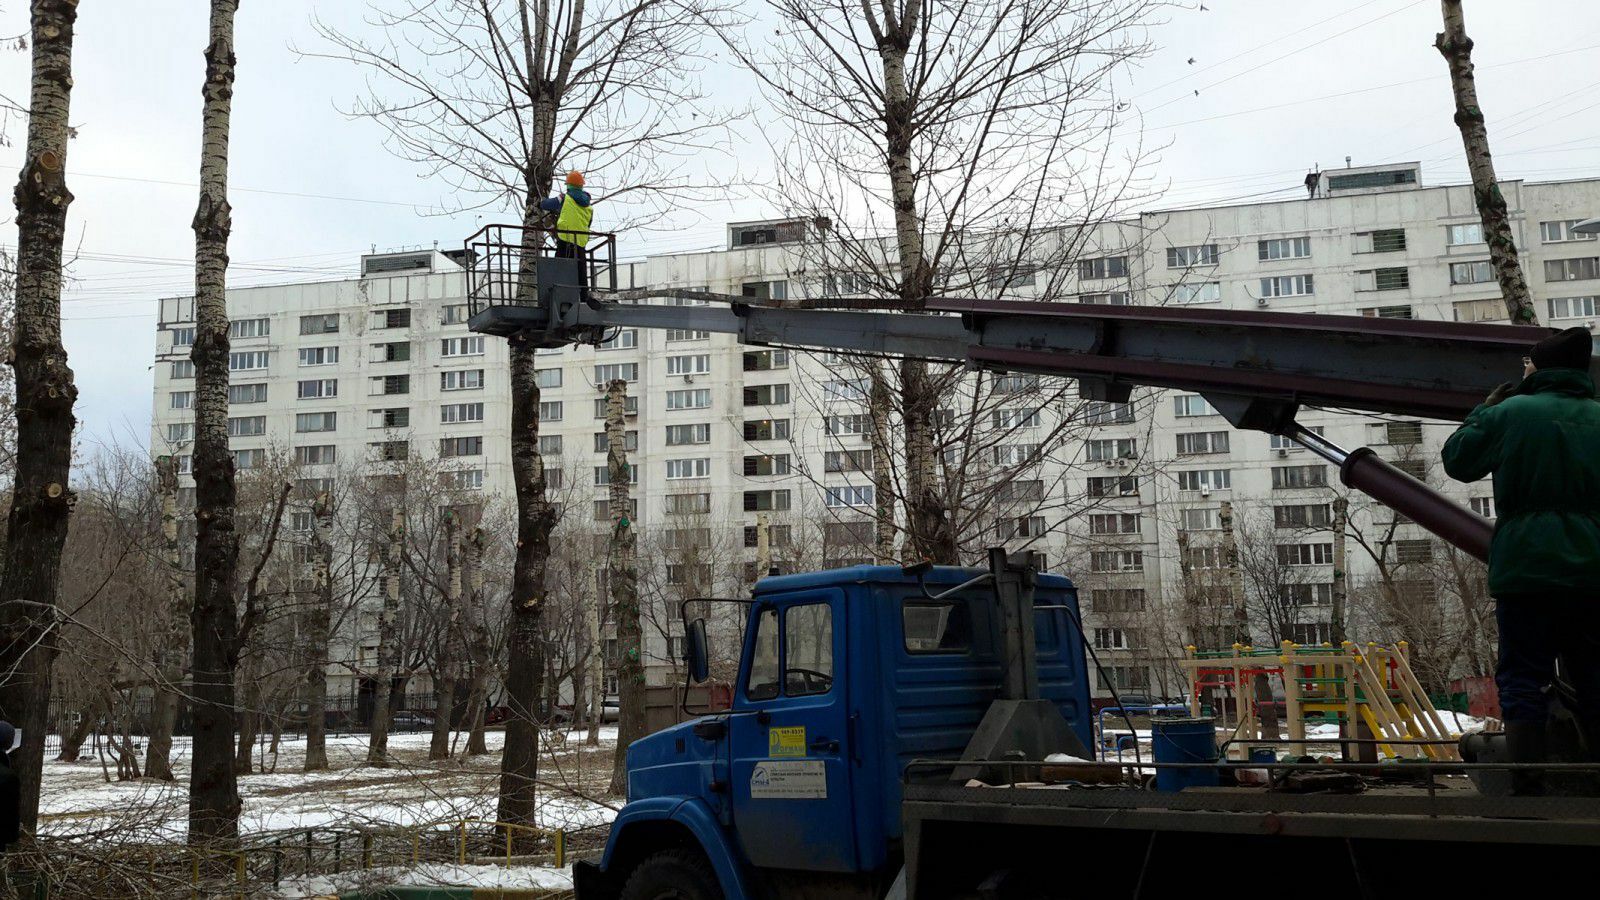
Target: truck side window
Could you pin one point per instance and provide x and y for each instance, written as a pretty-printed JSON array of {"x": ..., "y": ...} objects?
[
  {"x": 763, "y": 681},
  {"x": 936, "y": 627},
  {"x": 808, "y": 649}
]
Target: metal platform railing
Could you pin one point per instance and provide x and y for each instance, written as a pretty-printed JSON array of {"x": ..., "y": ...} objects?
[{"x": 501, "y": 262}]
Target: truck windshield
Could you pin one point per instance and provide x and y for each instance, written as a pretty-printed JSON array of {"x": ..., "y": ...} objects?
[{"x": 763, "y": 681}]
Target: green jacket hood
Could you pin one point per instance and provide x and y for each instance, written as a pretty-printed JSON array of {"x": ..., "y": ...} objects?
[{"x": 1572, "y": 382}]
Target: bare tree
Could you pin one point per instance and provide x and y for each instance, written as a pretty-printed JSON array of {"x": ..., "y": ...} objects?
[
  {"x": 41, "y": 503},
  {"x": 173, "y": 656},
  {"x": 319, "y": 618},
  {"x": 1456, "y": 48},
  {"x": 492, "y": 96},
  {"x": 388, "y": 641},
  {"x": 623, "y": 572}
]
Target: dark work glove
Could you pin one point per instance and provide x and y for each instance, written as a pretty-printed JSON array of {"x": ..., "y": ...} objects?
[{"x": 1500, "y": 392}]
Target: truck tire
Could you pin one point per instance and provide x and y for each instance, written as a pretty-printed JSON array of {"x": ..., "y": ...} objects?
[{"x": 673, "y": 875}]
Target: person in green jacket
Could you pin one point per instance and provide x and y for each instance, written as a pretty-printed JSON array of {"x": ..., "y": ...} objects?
[{"x": 1541, "y": 441}]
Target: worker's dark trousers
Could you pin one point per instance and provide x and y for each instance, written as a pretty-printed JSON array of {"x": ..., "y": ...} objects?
[
  {"x": 565, "y": 250},
  {"x": 1534, "y": 630}
]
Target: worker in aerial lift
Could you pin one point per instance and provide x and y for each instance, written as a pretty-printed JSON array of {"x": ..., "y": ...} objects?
[
  {"x": 574, "y": 215},
  {"x": 1541, "y": 440}
]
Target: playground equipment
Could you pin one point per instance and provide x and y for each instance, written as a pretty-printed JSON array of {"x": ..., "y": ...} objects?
[{"x": 1354, "y": 687}]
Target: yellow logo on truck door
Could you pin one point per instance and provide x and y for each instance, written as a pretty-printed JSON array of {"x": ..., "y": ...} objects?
[{"x": 787, "y": 741}]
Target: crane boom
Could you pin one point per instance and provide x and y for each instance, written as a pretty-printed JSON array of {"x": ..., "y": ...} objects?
[{"x": 1257, "y": 368}]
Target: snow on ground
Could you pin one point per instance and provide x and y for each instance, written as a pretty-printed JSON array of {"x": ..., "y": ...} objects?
[
  {"x": 1460, "y": 723},
  {"x": 76, "y": 799},
  {"x": 430, "y": 875}
]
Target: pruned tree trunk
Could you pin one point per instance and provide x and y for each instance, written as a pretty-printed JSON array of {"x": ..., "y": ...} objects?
[
  {"x": 596, "y": 665},
  {"x": 213, "y": 789},
  {"x": 319, "y": 618},
  {"x": 41, "y": 504},
  {"x": 174, "y": 649},
  {"x": 388, "y": 645},
  {"x": 477, "y": 643},
  {"x": 1456, "y": 48},
  {"x": 72, "y": 741},
  {"x": 880, "y": 410},
  {"x": 1230, "y": 553},
  {"x": 623, "y": 578},
  {"x": 249, "y": 711},
  {"x": 1340, "y": 591},
  {"x": 444, "y": 682}
]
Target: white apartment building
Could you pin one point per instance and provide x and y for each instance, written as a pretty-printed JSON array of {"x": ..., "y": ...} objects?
[{"x": 343, "y": 371}]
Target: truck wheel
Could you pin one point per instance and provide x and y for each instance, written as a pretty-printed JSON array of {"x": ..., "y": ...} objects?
[{"x": 673, "y": 875}]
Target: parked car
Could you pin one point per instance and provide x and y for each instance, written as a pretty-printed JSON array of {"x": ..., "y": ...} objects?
[{"x": 405, "y": 720}]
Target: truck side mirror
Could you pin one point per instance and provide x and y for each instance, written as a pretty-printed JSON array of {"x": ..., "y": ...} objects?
[{"x": 695, "y": 653}]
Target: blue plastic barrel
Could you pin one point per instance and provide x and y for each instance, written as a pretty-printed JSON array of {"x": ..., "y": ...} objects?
[{"x": 1184, "y": 741}]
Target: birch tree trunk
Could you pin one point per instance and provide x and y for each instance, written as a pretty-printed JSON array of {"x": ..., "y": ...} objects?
[
  {"x": 213, "y": 789},
  {"x": 623, "y": 578},
  {"x": 248, "y": 676},
  {"x": 477, "y": 644},
  {"x": 1230, "y": 552},
  {"x": 444, "y": 684},
  {"x": 880, "y": 408},
  {"x": 175, "y": 645},
  {"x": 388, "y": 645},
  {"x": 596, "y": 665},
  {"x": 1456, "y": 48},
  {"x": 319, "y": 619},
  {"x": 1341, "y": 524}
]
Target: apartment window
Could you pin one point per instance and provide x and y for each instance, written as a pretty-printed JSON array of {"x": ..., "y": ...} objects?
[
  {"x": 689, "y": 504},
  {"x": 1397, "y": 278},
  {"x": 1474, "y": 272},
  {"x": 1204, "y": 557},
  {"x": 680, "y": 435},
  {"x": 314, "y": 421},
  {"x": 180, "y": 432},
  {"x": 1305, "y": 554},
  {"x": 623, "y": 339},
  {"x": 1387, "y": 240},
  {"x": 766, "y": 395},
  {"x": 1194, "y": 255},
  {"x": 397, "y": 417},
  {"x": 461, "y": 380},
  {"x": 1288, "y": 286},
  {"x": 697, "y": 364},
  {"x": 602, "y": 475},
  {"x": 1414, "y": 551},
  {"x": 1459, "y": 235},
  {"x": 688, "y": 468},
  {"x": 247, "y": 360},
  {"x": 183, "y": 337},
  {"x": 249, "y": 328},
  {"x": 391, "y": 451},
  {"x": 185, "y": 464},
  {"x": 1283, "y": 248},
  {"x": 602, "y": 443},
  {"x": 696, "y": 398},
  {"x": 1483, "y": 506},
  {"x": 247, "y": 393},
  {"x": 1114, "y": 523},
  {"x": 1114, "y": 486},
  {"x": 1571, "y": 307},
  {"x": 1103, "y": 267},
  {"x": 630, "y": 406},
  {"x": 1015, "y": 418},
  {"x": 320, "y": 324},
  {"x": 1107, "y": 298},
  {"x": 774, "y": 429},
  {"x": 1311, "y": 633},
  {"x": 1021, "y": 527},
  {"x": 454, "y": 314},
  {"x": 1387, "y": 312},
  {"x": 249, "y": 458},
  {"x": 688, "y": 573},
  {"x": 847, "y": 390},
  {"x": 765, "y": 360},
  {"x": 1580, "y": 269},
  {"x": 1285, "y": 477},
  {"x": 848, "y": 495},
  {"x": 461, "y": 346},
  {"x": 461, "y": 446},
  {"x": 1394, "y": 433},
  {"x": 1416, "y": 468},
  {"x": 1116, "y": 561},
  {"x": 765, "y": 501},
  {"x": 1561, "y": 232},
  {"x": 843, "y": 425},
  {"x": 1015, "y": 384},
  {"x": 602, "y": 510},
  {"x": 550, "y": 445},
  {"x": 1201, "y": 443},
  {"x": 319, "y": 356},
  {"x": 1199, "y": 518},
  {"x": 1296, "y": 595},
  {"x": 180, "y": 400},
  {"x": 1197, "y": 292},
  {"x": 773, "y": 464},
  {"x": 847, "y": 461},
  {"x": 765, "y": 290},
  {"x": 316, "y": 455},
  {"x": 609, "y": 372},
  {"x": 1184, "y": 405},
  {"x": 1104, "y": 449},
  {"x": 455, "y": 413},
  {"x": 1108, "y": 600},
  {"x": 1205, "y": 480},
  {"x": 548, "y": 378},
  {"x": 686, "y": 334},
  {"x": 183, "y": 368},
  {"x": 391, "y": 318},
  {"x": 393, "y": 351},
  {"x": 549, "y": 411},
  {"x": 391, "y": 384},
  {"x": 464, "y": 479},
  {"x": 1117, "y": 638},
  {"x": 1284, "y": 445},
  {"x": 1310, "y": 515}
]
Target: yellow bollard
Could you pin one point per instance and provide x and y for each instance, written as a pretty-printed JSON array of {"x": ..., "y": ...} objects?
[
  {"x": 561, "y": 849},
  {"x": 462, "y": 858},
  {"x": 416, "y": 845}
]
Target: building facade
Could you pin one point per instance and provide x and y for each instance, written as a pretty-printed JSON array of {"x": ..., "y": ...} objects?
[{"x": 1141, "y": 504}]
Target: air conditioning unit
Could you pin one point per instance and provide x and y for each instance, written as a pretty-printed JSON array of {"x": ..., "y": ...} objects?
[
  {"x": 688, "y": 378},
  {"x": 1283, "y": 451},
  {"x": 1205, "y": 492},
  {"x": 1261, "y": 302}
]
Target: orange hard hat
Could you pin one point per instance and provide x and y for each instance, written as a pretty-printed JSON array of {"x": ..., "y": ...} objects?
[{"x": 575, "y": 178}]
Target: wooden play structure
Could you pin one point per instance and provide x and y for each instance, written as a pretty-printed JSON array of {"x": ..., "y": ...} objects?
[{"x": 1367, "y": 691}]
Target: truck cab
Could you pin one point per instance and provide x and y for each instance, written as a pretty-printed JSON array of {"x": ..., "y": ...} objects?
[{"x": 845, "y": 677}]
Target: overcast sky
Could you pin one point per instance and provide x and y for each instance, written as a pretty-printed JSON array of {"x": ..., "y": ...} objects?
[{"x": 1283, "y": 85}]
